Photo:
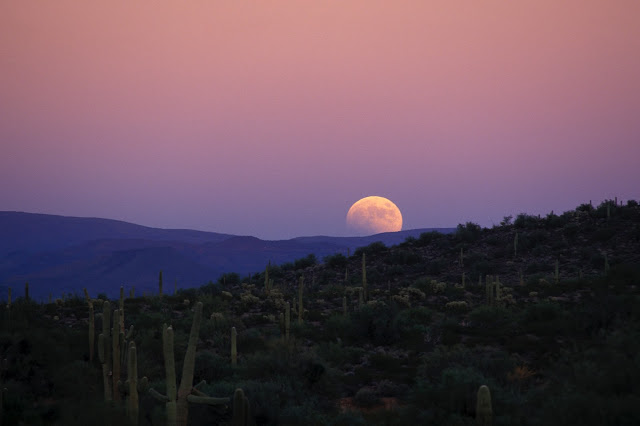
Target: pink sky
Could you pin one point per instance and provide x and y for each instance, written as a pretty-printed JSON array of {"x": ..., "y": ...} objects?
[{"x": 272, "y": 118}]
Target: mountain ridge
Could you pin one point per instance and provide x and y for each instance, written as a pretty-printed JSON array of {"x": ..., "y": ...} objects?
[{"x": 63, "y": 254}]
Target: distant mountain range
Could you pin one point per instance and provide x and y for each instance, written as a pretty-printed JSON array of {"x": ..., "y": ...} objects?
[{"x": 60, "y": 254}]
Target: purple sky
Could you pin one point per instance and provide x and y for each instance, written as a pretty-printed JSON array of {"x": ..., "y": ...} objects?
[{"x": 271, "y": 119}]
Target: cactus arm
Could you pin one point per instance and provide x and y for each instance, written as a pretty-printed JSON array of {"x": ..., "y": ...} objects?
[
  {"x": 157, "y": 395},
  {"x": 208, "y": 400}
]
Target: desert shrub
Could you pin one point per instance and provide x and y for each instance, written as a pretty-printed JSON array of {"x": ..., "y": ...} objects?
[
  {"x": 435, "y": 266},
  {"x": 372, "y": 249},
  {"x": 417, "y": 315},
  {"x": 375, "y": 324},
  {"x": 336, "y": 261},
  {"x": 542, "y": 311},
  {"x": 524, "y": 220},
  {"x": 427, "y": 237},
  {"x": 489, "y": 316},
  {"x": 211, "y": 367},
  {"x": 250, "y": 341},
  {"x": 468, "y": 232},
  {"x": 228, "y": 279},
  {"x": 305, "y": 262},
  {"x": 366, "y": 397},
  {"x": 339, "y": 355},
  {"x": 457, "y": 306},
  {"x": 403, "y": 257}
]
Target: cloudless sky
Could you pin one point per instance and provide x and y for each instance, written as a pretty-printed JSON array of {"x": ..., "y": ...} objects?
[{"x": 272, "y": 118}]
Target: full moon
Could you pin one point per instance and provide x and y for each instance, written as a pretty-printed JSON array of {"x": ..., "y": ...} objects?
[{"x": 373, "y": 215}]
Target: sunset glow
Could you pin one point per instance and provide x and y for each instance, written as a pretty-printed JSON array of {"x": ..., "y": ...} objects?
[{"x": 270, "y": 118}]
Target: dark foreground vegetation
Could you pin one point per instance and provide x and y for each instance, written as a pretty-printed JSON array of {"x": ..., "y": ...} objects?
[{"x": 544, "y": 311}]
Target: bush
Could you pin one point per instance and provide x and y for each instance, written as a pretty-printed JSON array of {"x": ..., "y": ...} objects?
[
  {"x": 366, "y": 397},
  {"x": 488, "y": 316},
  {"x": 468, "y": 232},
  {"x": 336, "y": 261},
  {"x": 427, "y": 237},
  {"x": 372, "y": 249}
]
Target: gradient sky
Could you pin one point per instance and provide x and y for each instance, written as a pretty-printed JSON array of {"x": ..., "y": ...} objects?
[{"x": 272, "y": 118}]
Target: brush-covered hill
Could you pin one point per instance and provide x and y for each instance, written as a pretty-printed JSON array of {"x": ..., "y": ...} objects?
[{"x": 544, "y": 311}]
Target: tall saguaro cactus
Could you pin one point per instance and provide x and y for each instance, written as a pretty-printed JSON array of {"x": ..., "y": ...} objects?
[
  {"x": 92, "y": 326},
  {"x": 266, "y": 278},
  {"x": 104, "y": 349},
  {"x": 484, "y": 411},
  {"x": 177, "y": 403},
  {"x": 241, "y": 412},
  {"x": 115, "y": 335},
  {"x": 132, "y": 379},
  {"x": 160, "y": 283},
  {"x": 26, "y": 291},
  {"x": 92, "y": 332}
]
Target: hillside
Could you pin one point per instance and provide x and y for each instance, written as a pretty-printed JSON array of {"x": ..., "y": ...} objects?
[{"x": 407, "y": 334}]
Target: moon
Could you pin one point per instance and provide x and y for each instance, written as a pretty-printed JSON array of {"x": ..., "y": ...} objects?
[{"x": 373, "y": 215}]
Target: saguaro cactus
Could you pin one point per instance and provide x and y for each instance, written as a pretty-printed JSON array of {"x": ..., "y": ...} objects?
[
  {"x": 160, "y": 284},
  {"x": 234, "y": 348},
  {"x": 177, "y": 404},
  {"x": 9, "y": 297},
  {"x": 344, "y": 305},
  {"x": 493, "y": 290},
  {"x": 484, "y": 412},
  {"x": 104, "y": 349},
  {"x": 266, "y": 278},
  {"x": 115, "y": 335},
  {"x": 92, "y": 332},
  {"x": 238, "y": 408},
  {"x": 300, "y": 308},
  {"x": 364, "y": 277},
  {"x": 241, "y": 409},
  {"x": 26, "y": 291},
  {"x": 134, "y": 386}
]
